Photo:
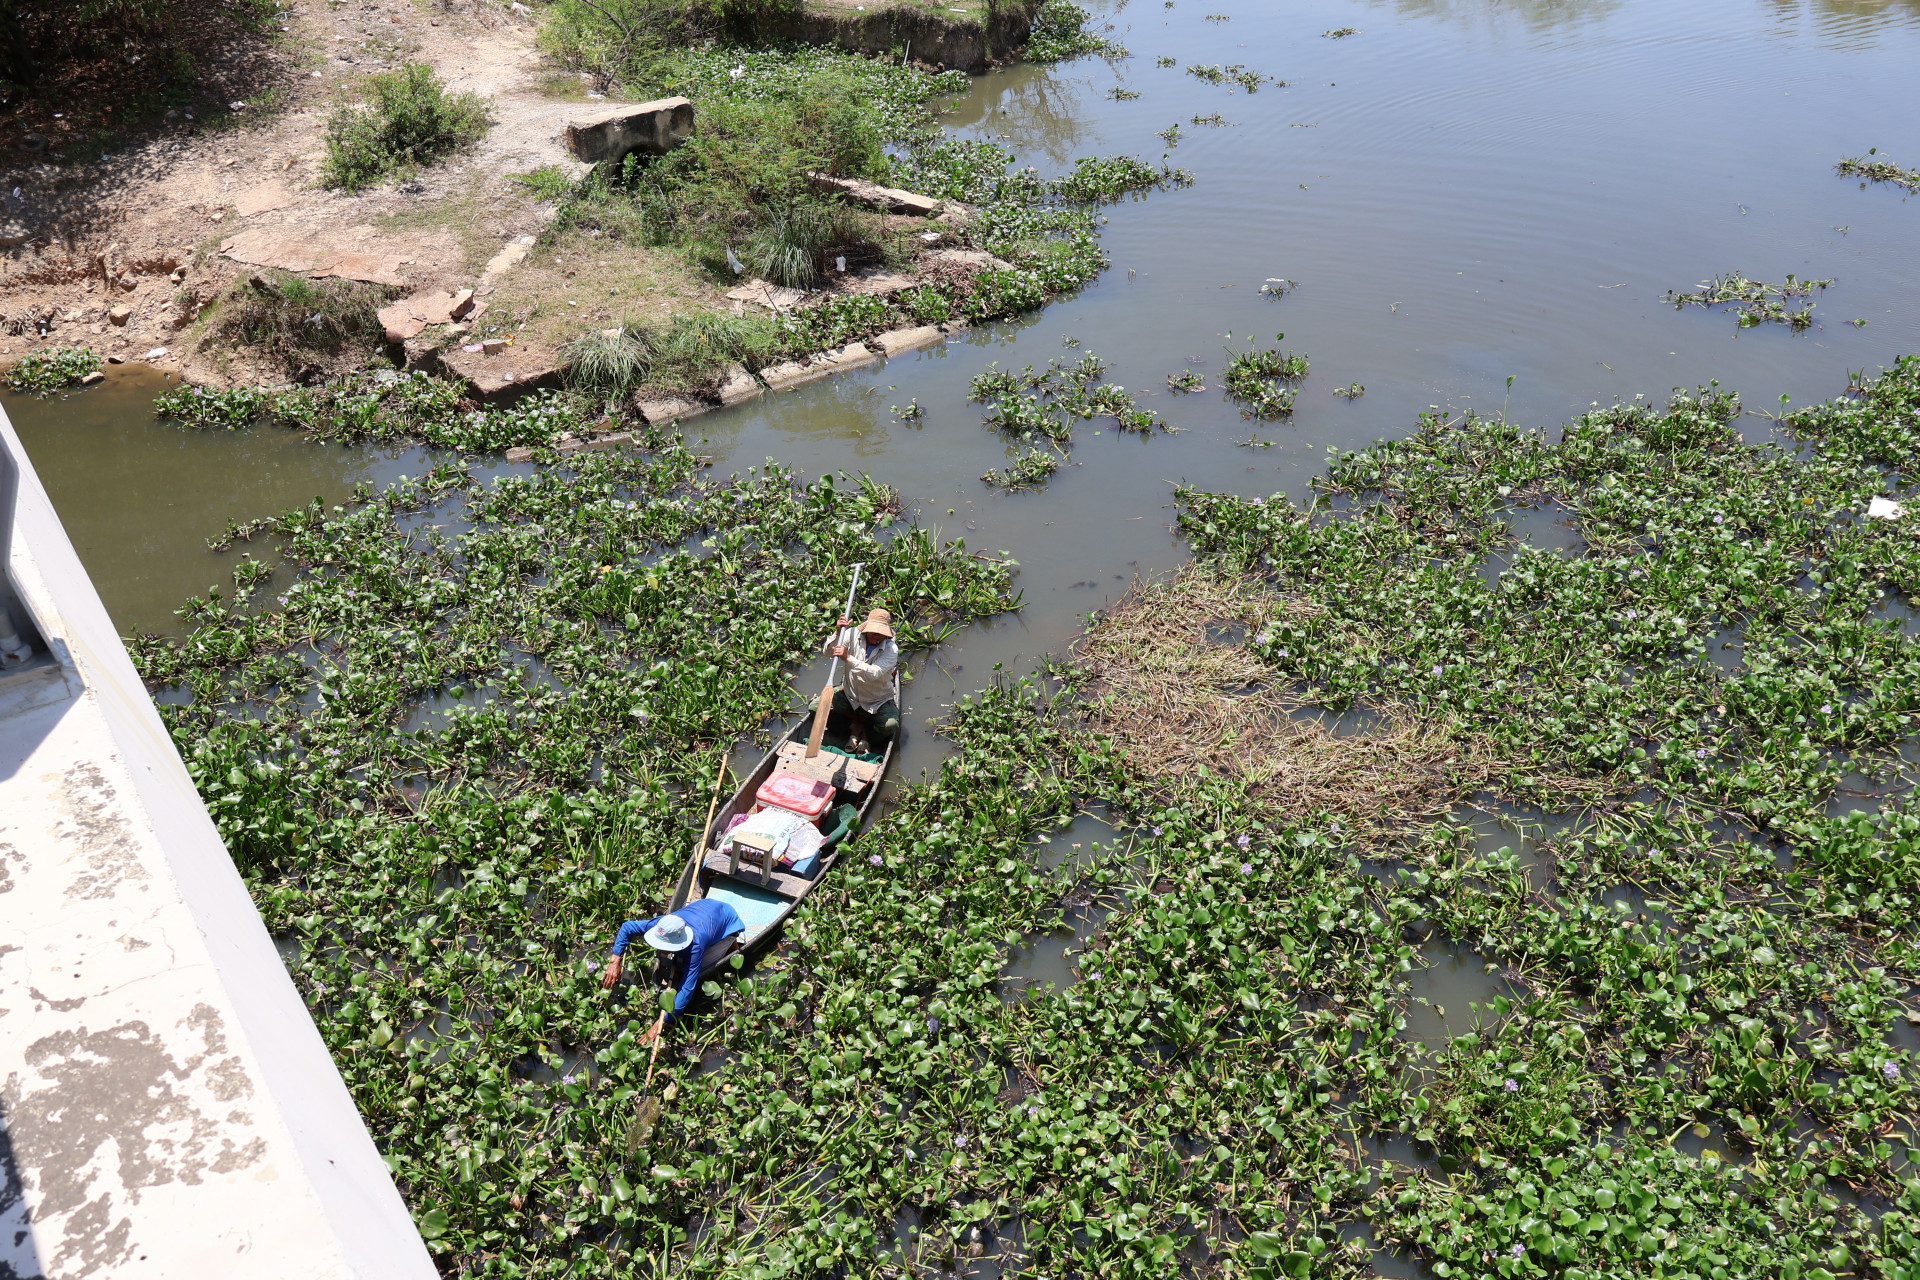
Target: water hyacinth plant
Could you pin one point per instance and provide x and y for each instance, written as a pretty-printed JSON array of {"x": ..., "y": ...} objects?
[
  {"x": 1028, "y": 471},
  {"x": 44, "y": 371},
  {"x": 1874, "y": 170},
  {"x": 1754, "y": 302},
  {"x": 1263, "y": 381},
  {"x": 382, "y": 405},
  {"x": 450, "y": 761}
]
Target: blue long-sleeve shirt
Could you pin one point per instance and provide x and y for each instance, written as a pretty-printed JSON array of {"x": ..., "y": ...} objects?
[{"x": 710, "y": 921}]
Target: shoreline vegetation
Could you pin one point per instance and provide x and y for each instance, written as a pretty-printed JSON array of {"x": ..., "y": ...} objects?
[
  {"x": 454, "y": 752},
  {"x": 749, "y": 198}
]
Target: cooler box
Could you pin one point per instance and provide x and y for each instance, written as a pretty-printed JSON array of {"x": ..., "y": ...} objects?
[{"x": 796, "y": 794}]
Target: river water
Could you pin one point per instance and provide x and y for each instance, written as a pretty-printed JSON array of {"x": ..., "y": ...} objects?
[{"x": 1465, "y": 190}]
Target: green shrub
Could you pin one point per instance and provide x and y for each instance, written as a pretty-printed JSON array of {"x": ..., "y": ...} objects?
[
  {"x": 44, "y": 371},
  {"x": 407, "y": 120},
  {"x": 685, "y": 355}
]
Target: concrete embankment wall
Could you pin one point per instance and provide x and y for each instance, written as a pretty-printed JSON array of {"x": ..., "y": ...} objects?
[{"x": 167, "y": 1107}]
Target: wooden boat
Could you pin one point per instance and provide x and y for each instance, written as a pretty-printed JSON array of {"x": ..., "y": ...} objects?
[{"x": 763, "y": 900}]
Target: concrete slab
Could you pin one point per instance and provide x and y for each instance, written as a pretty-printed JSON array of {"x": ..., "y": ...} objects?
[
  {"x": 608, "y": 135},
  {"x": 896, "y": 341},
  {"x": 268, "y": 195},
  {"x": 505, "y": 375},
  {"x": 303, "y": 255},
  {"x": 661, "y": 412},
  {"x": 738, "y": 386}
]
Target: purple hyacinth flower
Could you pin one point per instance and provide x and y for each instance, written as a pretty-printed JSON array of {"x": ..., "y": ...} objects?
[
  {"x": 1890, "y": 1071},
  {"x": 1510, "y": 1086},
  {"x": 875, "y": 859}
]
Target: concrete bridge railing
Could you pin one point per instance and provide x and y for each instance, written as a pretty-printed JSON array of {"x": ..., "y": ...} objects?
[{"x": 167, "y": 1107}]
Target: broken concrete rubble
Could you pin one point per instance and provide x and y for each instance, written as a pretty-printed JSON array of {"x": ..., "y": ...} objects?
[
  {"x": 738, "y": 386},
  {"x": 655, "y": 128},
  {"x": 766, "y": 295},
  {"x": 407, "y": 317},
  {"x": 506, "y": 375},
  {"x": 884, "y": 199}
]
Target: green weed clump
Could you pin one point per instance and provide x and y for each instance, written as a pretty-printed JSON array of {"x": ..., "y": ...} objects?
[
  {"x": 1211, "y": 73},
  {"x": 1028, "y": 471},
  {"x": 1263, "y": 381},
  {"x": 405, "y": 120},
  {"x": 1062, "y": 31},
  {"x": 42, "y": 372},
  {"x": 1045, "y": 403},
  {"x": 1754, "y": 302},
  {"x": 1873, "y": 170}
]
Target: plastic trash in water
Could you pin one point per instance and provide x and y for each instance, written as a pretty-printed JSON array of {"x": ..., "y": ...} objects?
[
  {"x": 1885, "y": 509},
  {"x": 840, "y": 264},
  {"x": 734, "y": 262}
]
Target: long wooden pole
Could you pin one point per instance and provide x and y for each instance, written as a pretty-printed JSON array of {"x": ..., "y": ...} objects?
[
  {"x": 825, "y": 704},
  {"x": 720, "y": 780}
]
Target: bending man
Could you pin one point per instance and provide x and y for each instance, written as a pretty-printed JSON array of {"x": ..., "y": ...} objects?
[
  {"x": 684, "y": 935},
  {"x": 871, "y": 655}
]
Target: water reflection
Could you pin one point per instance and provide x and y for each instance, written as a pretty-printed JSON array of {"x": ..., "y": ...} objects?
[
  {"x": 1033, "y": 111},
  {"x": 1537, "y": 14},
  {"x": 1846, "y": 23}
]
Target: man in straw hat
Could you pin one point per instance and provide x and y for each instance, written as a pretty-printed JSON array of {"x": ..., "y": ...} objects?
[
  {"x": 871, "y": 655},
  {"x": 685, "y": 935}
]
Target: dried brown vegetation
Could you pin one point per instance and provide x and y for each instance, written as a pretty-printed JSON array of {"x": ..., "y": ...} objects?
[{"x": 1169, "y": 679}]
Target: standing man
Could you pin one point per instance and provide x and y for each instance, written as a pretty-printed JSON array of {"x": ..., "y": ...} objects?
[
  {"x": 684, "y": 935},
  {"x": 871, "y": 656}
]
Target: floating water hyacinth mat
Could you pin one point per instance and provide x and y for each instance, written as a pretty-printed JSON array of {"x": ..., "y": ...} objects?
[{"x": 1698, "y": 1065}]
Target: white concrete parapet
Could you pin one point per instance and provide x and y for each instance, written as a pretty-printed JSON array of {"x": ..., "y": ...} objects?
[{"x": 167, "y": 1107}]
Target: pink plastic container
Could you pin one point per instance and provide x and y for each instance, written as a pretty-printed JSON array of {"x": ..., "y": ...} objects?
[{"x": 798, "y": 795}]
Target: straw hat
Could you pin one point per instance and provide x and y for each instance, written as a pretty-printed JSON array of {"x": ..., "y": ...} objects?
[
  {"x": 671, "y": 933},
  {"x": 879, "y": 623}
]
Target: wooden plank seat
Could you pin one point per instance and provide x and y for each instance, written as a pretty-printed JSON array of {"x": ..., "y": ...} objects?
[
  {"x": 784, "y": 883},
  {"x": 850, "y": 775}
]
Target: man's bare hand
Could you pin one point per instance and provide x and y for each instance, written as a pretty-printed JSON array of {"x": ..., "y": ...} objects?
[
  {"x": 846, "y": 622},
  {"x": 839, "y": 651},
  {"x": 653, "y": 1032},
  {"x": 612, "y": 975}
]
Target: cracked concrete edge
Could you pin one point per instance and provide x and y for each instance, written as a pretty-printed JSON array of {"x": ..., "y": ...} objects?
[{"x": 167, "y": 1106}]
